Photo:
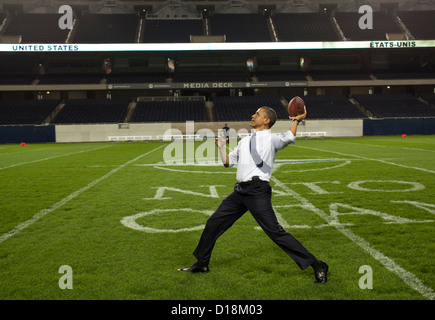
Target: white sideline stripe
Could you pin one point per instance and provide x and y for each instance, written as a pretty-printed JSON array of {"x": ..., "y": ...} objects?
[
  {"x": 62, "y": 155},
  {"x": 382, "y": 146},
  {"x": 73, "y": 195},
  {"x": 365, "y": 158},
  {"x": 418, "y": 149},
  {"x": 31, "y": 150},
  {"x": 409, "y": 278}
]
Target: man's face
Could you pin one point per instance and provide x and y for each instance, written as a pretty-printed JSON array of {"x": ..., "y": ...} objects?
[{"x": 258, "y": 119}]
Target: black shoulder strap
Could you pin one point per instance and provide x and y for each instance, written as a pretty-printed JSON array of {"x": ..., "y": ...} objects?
[{"x": 255, "y": 156}]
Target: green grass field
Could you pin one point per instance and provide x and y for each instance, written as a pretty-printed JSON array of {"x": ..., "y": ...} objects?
[{"x": 124, "y": 222}]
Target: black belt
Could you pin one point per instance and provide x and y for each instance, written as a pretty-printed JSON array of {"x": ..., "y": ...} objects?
[{"x": 255, "y": 181}]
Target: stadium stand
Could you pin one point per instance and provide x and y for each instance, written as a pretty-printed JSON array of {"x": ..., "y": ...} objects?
[
  {"x": 136, "y": 78},
  {"x": 429, "y": 97},
  {"x": 240, "y": 27},
  {"x": 173, "y": 111},
  {"x": 79, "y": 111},
  {"x": 123, "y": 28},
  {"x": 36, "y": 28},
  {"x": 158, "y": 31},
  {"x": 69, "y": 79},
  {"x": 325, "y": 76},
  {"x": 382, "y": 24},
  {"x": 106, "y": 28},
  {"x": 421, "y": 24},
  {"x": 304, "y": 27},
  {"x": 16, "y": 79},
  {"x": 403, "y": 75},
  {"x": 394, "y": 105},
  {"x": 331, "y": 107},
  {"x": 25, "y": 111},
  {"x": 242, "y": 108},
  {"x": 281, "y": 76},
  {"x": 213, "y": 78}
]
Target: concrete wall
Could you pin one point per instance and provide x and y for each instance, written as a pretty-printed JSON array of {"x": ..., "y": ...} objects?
[
  {"x": 101, "y": 132},
  {"x": 333, "y": 128}
]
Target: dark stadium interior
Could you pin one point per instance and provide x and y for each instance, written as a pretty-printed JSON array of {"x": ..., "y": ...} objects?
[{"x": 104, "y": 87}]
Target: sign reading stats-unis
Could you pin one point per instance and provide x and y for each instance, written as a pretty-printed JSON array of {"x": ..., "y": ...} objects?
[{"x": 213, "y": 46}]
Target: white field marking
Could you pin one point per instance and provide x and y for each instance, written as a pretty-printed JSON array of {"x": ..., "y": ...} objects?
[
  {"x": 418, "y": 149},
  {"x": 32, "y": 150},
  {"x": 182, "y": 164},
  {"x": 365, "y": 158},
  {"x": 425, "y": 206},
  {"x": 49, "y": 158},
  {"x": 73, "y": 195},
  {"x": 161, "y": 191},
  {"x": 102, "y": 166},
  {"x": 130, "y": 221},
  {"x": 324, "y": 168},
  {"x": 170, "y": 167},
  {"x": 381, "y": 146},
  {"x": 333, "y": 207},
  {"x": 280, "y": 219},
  {"x": 192, "y": 171},
  {"x": 415, "y": 186},
  {"x": 396, "y": 140},
  {"x": 409, "y": 278}
]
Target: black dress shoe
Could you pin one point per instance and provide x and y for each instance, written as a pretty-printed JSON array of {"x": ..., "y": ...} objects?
[
  {"x": 195, "y": 268},
  {"x": 320, "y": 271}
]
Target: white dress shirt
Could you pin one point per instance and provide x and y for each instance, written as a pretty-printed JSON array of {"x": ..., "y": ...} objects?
[{"x": 268, "y": 145}]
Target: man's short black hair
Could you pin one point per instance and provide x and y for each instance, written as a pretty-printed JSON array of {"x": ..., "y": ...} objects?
[{"x": 271, "y": 115}]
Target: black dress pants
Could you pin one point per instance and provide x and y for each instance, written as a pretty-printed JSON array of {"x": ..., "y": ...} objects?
[{"x": 256, "y": 199}]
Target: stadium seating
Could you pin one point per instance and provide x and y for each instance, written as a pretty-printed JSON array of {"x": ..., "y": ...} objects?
[
  {"x": 25, "y": 111},
  {"x": 169, "y": 111},
  {"x": 394, "y": 105},
  {"x": 16, "y": 79},
  {"x": 403, "y": 75},
  {"x": 429, "y": 97},
  {"x": 106, "y": 28},
  {"x": 242, "y": 108},
  {"x": 382, "y": 24},
  {"x": 337, "y": 76},
  {"x": 136, "y": 78},
  {"x": 158, "y": 31},
  {"x": 304, "y": 27},
  {"x": 331, "y": 107},
  {"x": 36, "y": 28},
  {"x": 122, "y": 28},
  {"x": 213, "y": 78},
  {"x": 79, "y": 111},
  {"x": 281, "y": 76},
  {"x": 421, "y": 24},
  {"x": 69, "y": 79},
  {"x": 240, "y": 27}
]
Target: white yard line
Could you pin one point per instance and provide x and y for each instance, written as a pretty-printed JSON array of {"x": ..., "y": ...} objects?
[
  {"x": 73, "y": 195},
  {"x": 371, "y": 159},
  {"x": 409, "y": 278},
  {"x": 49, "y": 158}
]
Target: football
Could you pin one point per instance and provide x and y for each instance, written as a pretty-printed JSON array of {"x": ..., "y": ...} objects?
[{"x": 296, "y": 106}]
